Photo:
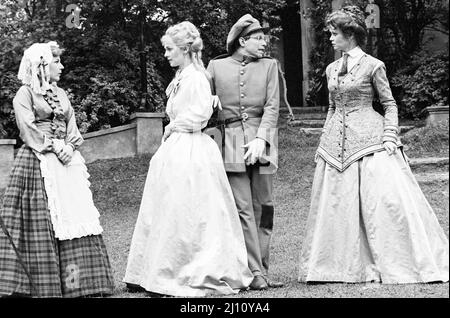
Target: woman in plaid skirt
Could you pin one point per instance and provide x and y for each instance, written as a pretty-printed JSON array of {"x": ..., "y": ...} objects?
[{"x": 50, "y": 243}]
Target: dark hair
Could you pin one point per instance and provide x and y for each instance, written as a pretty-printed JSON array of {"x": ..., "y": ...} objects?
[{"x": 351, "y": 21}]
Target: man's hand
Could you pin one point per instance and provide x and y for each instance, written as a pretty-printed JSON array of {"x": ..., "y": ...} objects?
[
  {"x": 255, "y": 150},
  {"x": 66, "y": 154},
  {"x": 390, "y": 147}
]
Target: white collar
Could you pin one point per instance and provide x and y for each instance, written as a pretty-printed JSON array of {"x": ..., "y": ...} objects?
[
  {"x": 187, "y": 70},
  {"x": 179, "y": 75},
  {"x": 355, "y": 53}
]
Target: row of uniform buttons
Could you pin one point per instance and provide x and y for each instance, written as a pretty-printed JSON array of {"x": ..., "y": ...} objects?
[{"x": 243, "y": 115}]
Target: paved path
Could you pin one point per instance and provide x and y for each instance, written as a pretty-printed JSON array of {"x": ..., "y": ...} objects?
[
  {"x": 318, "y": 130},
  {"x": 414, "y": 162},
  {"x": 430, "y": 177}
]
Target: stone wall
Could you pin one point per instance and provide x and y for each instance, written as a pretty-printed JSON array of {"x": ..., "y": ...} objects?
[
  {"x": 6, "y": 159},
  {"x": 142, "y": 136},
  {"x": 117, "y": 142},
  {"x": 437, "y": 114}
]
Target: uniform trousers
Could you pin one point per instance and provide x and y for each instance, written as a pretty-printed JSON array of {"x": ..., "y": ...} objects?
[{"x": 252, "y": 192}]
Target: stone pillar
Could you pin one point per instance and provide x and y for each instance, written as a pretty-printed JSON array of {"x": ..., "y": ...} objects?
[
  {"x": 437, "y": 114},
  {"x": 6, "y": 160},
  {"x": 307, "y": 38},
  {"x": 149, "y": 131}
]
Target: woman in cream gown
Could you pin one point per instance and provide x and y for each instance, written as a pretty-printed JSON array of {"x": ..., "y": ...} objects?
[{"x": 188, "y": 239}]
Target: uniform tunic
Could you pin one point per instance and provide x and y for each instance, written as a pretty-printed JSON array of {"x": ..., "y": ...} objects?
[{"x": 247, "y": 87}]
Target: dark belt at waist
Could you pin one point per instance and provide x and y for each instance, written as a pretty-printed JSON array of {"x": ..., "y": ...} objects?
[
  {"x": 222, "y": 123},
  {"x": 243, "y": 117}
]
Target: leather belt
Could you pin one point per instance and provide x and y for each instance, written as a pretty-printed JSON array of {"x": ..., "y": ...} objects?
[
  {"x": 222, "y": 123},
  {"x": 243, "y": 117}
]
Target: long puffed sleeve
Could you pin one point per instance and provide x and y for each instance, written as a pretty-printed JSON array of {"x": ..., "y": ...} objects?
[
  {"x": 194, "y": 103},
  {"x": 331, "y": 104},
  {"x": 383, "y": 90},
  {"x": 26, "y": 122},
  {"x": 73, "y": 135},
  {"x": 211, "y": 74},
  {"x": 272, "y": 104}
]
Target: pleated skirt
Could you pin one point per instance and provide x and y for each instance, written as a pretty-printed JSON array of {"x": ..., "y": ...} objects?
[
  {"x": 58, "y": 268},
  {"x": 372, "y": 222}
]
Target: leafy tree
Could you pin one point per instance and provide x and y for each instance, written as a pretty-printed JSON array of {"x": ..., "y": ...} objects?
[
  {"x": 321, "y": 54},
  {"x": 403, "y": 25},
  {"x": 102, "y": 54}
]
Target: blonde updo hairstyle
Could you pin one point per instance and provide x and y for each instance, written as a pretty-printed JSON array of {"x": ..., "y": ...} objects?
[{"x": 186, "y": 36}]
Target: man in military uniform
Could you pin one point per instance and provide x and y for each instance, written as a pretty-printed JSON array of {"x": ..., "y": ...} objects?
[{"x": 247, "y": 85}]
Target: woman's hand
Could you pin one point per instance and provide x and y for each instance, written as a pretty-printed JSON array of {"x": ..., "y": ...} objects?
[
  {"x": 216, "y": 102},
  {"x": 57, "y": 145},
  {"x": 390, "y": 147},
  {"x": 167, "y": 132},
  {"x": 66, "y": 154}
]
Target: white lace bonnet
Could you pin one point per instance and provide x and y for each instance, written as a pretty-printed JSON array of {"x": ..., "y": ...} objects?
[{"x": 35, "y": 61}]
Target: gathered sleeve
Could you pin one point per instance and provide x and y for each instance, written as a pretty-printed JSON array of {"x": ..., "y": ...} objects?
[
  {"x": 73, "y": 135},
  {"x": 195, "y": 103},
  {"x": 210, "y": 72},
  {"x": 381, "y": 85},
  {"x": 272, "y": 104},
  {"x": 31, "y": 135}
]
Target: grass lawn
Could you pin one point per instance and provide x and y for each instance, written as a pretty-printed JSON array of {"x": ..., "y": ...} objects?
[{"x": 117, "y": 186}]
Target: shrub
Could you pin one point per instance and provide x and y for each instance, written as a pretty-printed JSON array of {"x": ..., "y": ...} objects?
[
  {"x": 9, "y": 84},
  {"x": 422, "y": 83},
  {"x": 102, "y": 57}
]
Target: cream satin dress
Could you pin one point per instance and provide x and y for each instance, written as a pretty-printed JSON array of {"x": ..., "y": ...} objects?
[{"x": 188, "y": 239}]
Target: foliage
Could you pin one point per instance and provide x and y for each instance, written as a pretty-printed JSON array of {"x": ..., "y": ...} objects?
[
  {"x": 321, "y": 53},
  {"x": 403, "y": 23},
  {"x": 102, "y": 57},
  {"x": 423, "y": 82}
]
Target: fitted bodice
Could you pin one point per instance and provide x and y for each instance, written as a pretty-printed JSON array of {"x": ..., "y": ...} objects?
[{"x": 353, "y": 128}]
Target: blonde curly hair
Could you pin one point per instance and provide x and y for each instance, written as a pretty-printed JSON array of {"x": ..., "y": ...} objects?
[{"x": 185, "y": 35}]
